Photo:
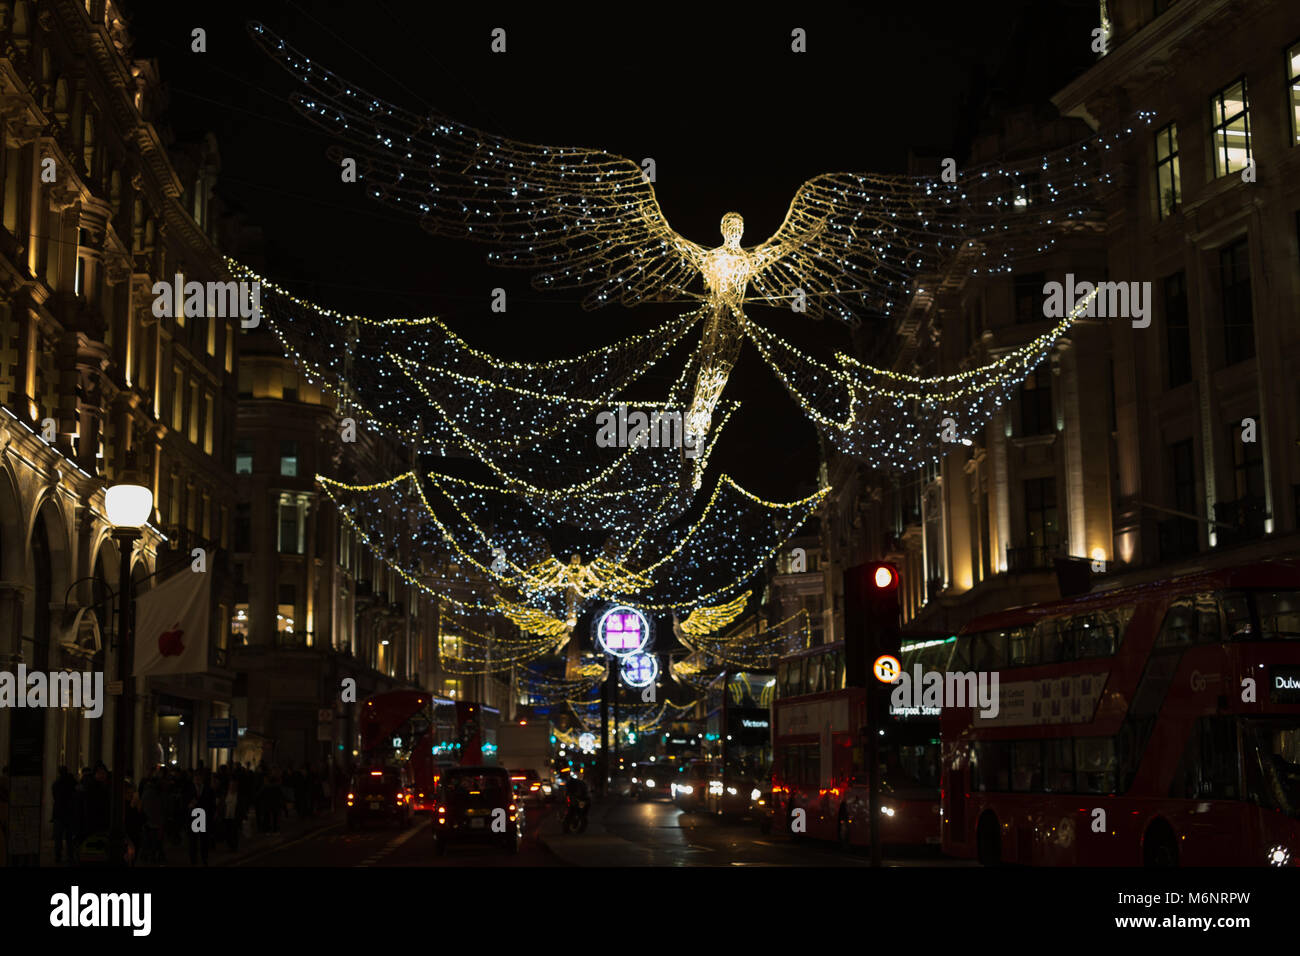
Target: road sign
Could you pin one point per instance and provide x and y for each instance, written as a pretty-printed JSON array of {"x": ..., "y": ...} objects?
[
  {"x": 324, "y": 724},
  {"x": 222, "y": 732}
]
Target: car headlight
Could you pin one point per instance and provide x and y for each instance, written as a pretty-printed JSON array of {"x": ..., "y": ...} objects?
[
  {"x": 887, "y": 811},
  {"x": 649, "y": 783},
  {"x": 684, "y": 788},
  {"x": 756, "y": 794},
  {"x": 1278, "y": 856},
  {"x": 634, "y": 779},
  {"x": 732, "y": 791}
]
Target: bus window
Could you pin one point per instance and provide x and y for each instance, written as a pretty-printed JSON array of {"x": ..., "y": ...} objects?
[
  {"x": 1019, "y": 647},
  {"x": 814, "y": 677},
  {"x": 1027, "y": 763},
  {"x": 1179, "y": 627},
  {"x": 991, "y": 765},
  {"x": 1048, "y": 646},
  {"x": 1058, "y": 765},
  {"x": 1208, "y": 769},
  {"x": 1273, "y": 763},
  {"x": 1094, "y": 760},
  {"x": 1236, "y": 615},
  {"x": 1279, "y": 615}
]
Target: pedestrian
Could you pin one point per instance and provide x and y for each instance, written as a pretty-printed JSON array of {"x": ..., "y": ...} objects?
[
  {"x": 200, "y": 797},
  {"x": 230, "y": 814},
  {"x": 65, "y": 816},
  {"x": 134, "y": 823},
  {"x": 151, "y": 803}
]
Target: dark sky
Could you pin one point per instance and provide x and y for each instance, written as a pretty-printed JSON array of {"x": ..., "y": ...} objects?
[{"x": 733, "y": 119}]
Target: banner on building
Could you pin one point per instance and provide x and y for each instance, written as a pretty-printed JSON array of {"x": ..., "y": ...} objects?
[{"x": 171, "y": 626}]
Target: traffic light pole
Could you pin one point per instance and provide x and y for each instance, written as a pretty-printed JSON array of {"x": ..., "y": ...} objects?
[
  {"x": 871, "y": 630},
  {"x": 603, "y": 763}
]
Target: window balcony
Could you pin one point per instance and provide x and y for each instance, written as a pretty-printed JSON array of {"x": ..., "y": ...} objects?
[{"x": 1032, "y": 558}]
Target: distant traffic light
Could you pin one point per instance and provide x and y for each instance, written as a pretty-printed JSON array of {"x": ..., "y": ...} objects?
[{"x": 871, "y": 619}]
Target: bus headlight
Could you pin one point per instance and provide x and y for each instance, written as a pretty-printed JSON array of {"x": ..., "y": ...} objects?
[{"x": 1278, "y": 856}]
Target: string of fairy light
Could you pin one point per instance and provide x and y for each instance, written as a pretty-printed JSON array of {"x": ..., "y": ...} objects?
[{"x": 851, "y": 244}]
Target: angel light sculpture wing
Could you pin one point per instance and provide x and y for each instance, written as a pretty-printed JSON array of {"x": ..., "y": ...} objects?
[{"x": 582, "y": 218}]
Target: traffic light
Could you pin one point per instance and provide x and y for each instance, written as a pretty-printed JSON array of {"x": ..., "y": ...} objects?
[{"x": 871, "y": 619}]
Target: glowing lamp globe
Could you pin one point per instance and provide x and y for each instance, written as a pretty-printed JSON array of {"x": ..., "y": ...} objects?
[
  {"x": 884, "y": 577},
  {"x": 128, "y": 506}
]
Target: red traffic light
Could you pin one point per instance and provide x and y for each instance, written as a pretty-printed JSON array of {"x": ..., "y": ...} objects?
[{"x": 884, "y": 577}]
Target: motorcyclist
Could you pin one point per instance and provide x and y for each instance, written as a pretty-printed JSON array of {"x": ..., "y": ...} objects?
[{"x": 578, "y": 799}]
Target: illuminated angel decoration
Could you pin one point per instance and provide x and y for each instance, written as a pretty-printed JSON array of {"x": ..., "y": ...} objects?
[{"x": 578, "y": 218}]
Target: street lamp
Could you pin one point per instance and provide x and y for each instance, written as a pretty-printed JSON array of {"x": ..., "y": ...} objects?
[{"x": 129, "y": 506}]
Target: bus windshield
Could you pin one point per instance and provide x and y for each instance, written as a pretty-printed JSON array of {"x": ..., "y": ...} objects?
[
  {"x": 1273, "y": 762},
  {"x": 911, "y": 758}
]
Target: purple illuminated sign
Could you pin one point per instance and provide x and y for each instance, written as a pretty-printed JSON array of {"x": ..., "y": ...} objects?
[{"x": 623, "y": 631}]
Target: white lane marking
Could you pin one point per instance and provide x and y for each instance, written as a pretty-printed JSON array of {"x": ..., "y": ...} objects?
[{"x": 390, "y": 846}]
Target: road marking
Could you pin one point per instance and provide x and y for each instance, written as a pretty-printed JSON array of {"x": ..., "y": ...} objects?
[{"x": 391, "y": 845}]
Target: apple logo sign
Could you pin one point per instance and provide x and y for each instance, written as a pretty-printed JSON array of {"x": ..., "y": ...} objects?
[{"x": 169, "y": 642}]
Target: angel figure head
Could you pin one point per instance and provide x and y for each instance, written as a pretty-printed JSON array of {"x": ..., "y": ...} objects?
[{"x": 733, "y": 227}]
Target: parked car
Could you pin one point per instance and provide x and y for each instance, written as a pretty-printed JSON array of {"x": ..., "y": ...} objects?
[{"x": 477, "y": 805}]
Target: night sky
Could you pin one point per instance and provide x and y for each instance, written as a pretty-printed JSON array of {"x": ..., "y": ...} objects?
[{"x": 733, "y": 119}]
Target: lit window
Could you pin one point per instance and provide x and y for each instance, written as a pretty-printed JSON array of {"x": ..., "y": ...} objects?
[
  {"x": 194, "y": 413},
  {"x": 243, "y": 456},
  {"x": 178, "y": 399},
  {"x": 1168, "y": 179},
  {"x": 239, "y": 626},
  {"x": 1293, "y": 90},
  {"x": 290, "y": 529},
  {"x": 1230, "y": 117},
  {"x": 289, "y": 458},
  {"x": 209, "y": 422}
]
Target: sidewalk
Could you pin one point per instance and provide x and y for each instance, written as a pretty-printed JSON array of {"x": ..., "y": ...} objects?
[
  {"x": 219, "y": 854},
  {"x": 597, "y": 846}
]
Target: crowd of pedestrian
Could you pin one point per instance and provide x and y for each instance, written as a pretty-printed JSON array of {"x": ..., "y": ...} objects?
[{"x": 160, "y": 813}]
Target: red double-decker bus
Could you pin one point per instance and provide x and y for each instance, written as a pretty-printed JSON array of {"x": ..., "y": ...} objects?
[
  {"x": 426, "y": 733},
  {"x": 1157, "y": 724},
  {"x": 817, "y": 759}
]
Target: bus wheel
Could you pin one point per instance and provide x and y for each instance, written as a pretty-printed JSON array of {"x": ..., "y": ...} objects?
[
  {"x": 845, "y": 831},
  {"x": 988, "y": 840},
  {"x": 1160, "y": 848}
]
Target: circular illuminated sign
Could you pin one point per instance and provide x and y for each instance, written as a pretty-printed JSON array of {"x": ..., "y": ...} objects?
[
  {"x": 640, "y": 670},
  {"x": 623, "y": 631},
  {"x": 886, "y": 668}
]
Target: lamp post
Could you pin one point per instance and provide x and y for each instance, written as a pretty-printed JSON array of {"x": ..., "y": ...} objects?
[{"x": 129, "y": 506}]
